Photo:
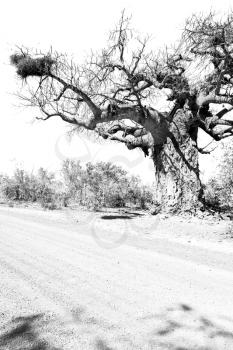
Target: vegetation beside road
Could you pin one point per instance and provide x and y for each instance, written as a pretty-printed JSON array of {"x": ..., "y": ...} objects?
[
  {"x": 104, "y": 184},
  {"x": 91, "y": 185}
]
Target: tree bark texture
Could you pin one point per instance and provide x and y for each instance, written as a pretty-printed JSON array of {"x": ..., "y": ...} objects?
[{"x": 178, "y": 186}]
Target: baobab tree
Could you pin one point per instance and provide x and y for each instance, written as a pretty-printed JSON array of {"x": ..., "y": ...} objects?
[{"x": 114, "y": 94}]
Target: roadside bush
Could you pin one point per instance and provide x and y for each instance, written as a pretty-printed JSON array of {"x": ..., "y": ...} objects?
[
  {"x": 92, "y": 185},
  {"x": 26, "y": 187},
  {"x": 49, "y": 205},
  {"x": 213, "y": 194},
  {"x": 219, "y": 190},
  {"x": 104, "y": 185}
]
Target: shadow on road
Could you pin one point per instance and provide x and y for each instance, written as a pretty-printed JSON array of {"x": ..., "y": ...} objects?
[
  {"x": 175, "y": 328},
  {"x": 126, "y": 214},
  {"x": 23, "y": 333},
  {"x": 183, "y": 328},
  {"x": 113, "y": 217}
]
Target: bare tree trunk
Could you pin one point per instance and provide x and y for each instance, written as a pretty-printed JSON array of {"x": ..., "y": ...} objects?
[{"x": 178, "y": 186}]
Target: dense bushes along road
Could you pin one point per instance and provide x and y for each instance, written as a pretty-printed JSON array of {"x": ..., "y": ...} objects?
[{"x": 92, "y": 185}]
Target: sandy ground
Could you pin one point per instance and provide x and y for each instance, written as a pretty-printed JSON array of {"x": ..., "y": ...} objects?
[{"x": 114, "y": 280}]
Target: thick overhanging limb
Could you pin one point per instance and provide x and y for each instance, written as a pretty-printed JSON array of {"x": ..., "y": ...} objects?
[
  {"x": 223, "y": 122},
  {"x": 224, "y": 111},
  {"x": 226, "y": 132},
  {"x": 151, "y": 119},
  {"x": 215, "y": 125},
  {"x": 131, "y": 112},
  {"x": 135, "y": 130},
  {"x": 217, "y": 135},
  {"x": 143, "y": 142},
  {"x": 213, "y": 98},
  {"x": 218, "y": 124},
  {"x": 120, "y": 112},
  {"x": 133, "y": 136},
  {"x": 208, "y": 131},
  {"x": 56, "y": 89}
]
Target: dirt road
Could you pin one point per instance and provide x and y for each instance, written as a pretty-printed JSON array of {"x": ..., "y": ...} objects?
[{"x": 60, "y": 289}]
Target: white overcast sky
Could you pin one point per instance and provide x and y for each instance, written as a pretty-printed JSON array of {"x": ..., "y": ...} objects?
[{"x": 75, "y": 27}]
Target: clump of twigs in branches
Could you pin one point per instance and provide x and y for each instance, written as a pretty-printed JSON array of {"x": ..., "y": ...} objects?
[{"x": 28, "y": 66}]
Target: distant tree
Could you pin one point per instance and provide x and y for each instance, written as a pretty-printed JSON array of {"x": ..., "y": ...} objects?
[
  {"x": 219, "y": 189},
  {"x": 111, "y": 184},
  {"x": 18, "y": 187},
  {"x": 44, "y": 185},
  {"x": 91, "y": 185},
  {"x": 213, "y": 193},
  {"x": 113, "y": 92},
  {"x": 40, "y": 187},
  {"x": 226, "y": 166},
  {"x": 226, "y": 176},
  {"x": 103, "y": 184},
  {"x": 74, "y": 178},
  {"x": 8, "y": 188}
]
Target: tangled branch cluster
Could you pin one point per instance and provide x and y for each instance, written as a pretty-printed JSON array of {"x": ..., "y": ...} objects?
[{"x": 113, "y": 92}]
